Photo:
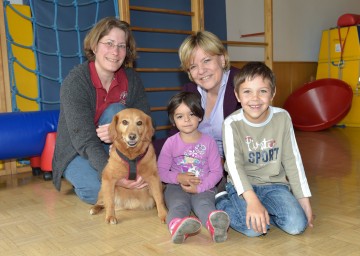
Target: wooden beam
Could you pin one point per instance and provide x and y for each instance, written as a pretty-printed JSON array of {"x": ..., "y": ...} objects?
[
  {"x": 197, "y": 21},
  {"x": 268, "y": 20},
  {"x": 124, "y": 9}
]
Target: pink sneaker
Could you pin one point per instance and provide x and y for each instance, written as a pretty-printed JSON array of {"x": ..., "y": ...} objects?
[
  {"x": 180, "y": 229},
  {"x": 218, "y": 224}
]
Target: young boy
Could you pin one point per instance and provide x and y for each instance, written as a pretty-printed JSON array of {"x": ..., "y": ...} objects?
[{"x": 266, "y": 177}]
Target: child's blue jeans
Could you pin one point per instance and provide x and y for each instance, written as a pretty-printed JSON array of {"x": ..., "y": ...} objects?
[
  {"x": 81, "y": 174},
  {"x": 284, "y": 210}
]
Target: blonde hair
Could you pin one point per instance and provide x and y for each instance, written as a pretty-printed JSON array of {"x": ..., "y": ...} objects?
[
  {"x": 208, "y": 42},
  {"x": 101, "y": 29}
]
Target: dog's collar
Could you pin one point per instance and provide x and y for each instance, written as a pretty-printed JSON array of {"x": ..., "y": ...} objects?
[{"x": 132, "y": 163}]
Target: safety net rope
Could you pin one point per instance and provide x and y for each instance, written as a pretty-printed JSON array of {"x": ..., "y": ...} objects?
[{"x": 51, "y": 21}]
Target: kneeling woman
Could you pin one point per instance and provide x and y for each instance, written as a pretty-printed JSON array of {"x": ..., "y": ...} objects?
[{"x": 91, "y": 94}]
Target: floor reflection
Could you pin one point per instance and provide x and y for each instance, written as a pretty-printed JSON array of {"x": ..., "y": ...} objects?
[
  {"x": 326, "y": 153},
  {"x": 22, "y": 179}
]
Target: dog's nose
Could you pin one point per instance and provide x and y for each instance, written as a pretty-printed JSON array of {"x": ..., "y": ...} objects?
[{"x": 132, "y": 136}]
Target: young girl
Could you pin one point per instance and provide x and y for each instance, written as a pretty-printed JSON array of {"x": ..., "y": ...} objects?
[{"x": 190, "y": 164}]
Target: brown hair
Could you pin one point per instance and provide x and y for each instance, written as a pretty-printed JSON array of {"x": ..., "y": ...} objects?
[
  {"x": 101, "y": 29},
  {"x": 252, "y": 70},
  {"x": 190, "y": 99}
]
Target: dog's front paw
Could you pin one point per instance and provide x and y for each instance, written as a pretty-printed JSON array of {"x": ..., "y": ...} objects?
[
  {"x": 111, "y": 220},
  {"x": 162, "y": 215},
  {"x": 96, "y": 209}
]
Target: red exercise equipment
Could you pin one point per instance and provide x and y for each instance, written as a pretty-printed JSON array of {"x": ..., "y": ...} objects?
[
  {"x": 320, "y": 104},
  {"x": 43, "y": 164}
]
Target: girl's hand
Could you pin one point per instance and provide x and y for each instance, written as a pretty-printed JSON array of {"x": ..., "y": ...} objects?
[
  {"x": 187, "y": 178},
  {"x": 132, "y": 184},
  {"x": 191, "y": 188},
  {"x": 103, "y": 133}
]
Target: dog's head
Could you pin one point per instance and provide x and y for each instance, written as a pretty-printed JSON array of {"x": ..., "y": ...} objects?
[{"x": 131, "y": 128}]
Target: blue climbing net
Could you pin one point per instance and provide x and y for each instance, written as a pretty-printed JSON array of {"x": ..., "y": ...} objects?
[{"x": 58, "y": 30}]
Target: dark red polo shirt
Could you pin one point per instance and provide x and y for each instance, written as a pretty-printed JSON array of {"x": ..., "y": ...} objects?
[{"x": 117, "y": 92}]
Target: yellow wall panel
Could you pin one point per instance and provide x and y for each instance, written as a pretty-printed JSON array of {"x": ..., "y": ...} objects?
[
  {"x": 349, "y": 71},
  {"x": 21, "y": 32}
]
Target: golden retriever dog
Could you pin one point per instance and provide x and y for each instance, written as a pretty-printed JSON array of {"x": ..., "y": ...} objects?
[{"x": 131, "y": 131}]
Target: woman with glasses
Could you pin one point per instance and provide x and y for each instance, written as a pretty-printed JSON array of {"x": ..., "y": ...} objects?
[{"x": 91, "y": 94}]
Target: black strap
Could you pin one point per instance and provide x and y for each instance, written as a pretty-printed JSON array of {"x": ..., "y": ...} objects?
[{"x": 132, "y": 163}]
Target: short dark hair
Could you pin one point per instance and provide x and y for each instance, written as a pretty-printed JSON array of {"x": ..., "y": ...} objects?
[
  {"x": 190, "y": 99},
  {"x": 252, "y": 70}
]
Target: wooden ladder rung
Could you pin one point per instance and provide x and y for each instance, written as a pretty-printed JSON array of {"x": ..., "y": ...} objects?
[
  {"x": 245, "y": 43},
  {"x": 162, "y": 89},
  {"x": 156, "y": 50},
  {"x": 158, "y": 109},
  {"x": 161, "y": 30},
  {"x": 163, "y": 127},
  {"x": 159, "y": 10},
  {"x": 158, "y": 69}
]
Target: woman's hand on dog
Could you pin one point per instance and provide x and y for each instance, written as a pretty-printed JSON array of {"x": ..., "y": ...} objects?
[
  {"x": 103, "y": 133},
  {"x": 132, "y": 184}
]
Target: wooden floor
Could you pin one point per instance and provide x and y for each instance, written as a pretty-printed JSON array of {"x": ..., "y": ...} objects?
[{"x": 35, "y": 219}]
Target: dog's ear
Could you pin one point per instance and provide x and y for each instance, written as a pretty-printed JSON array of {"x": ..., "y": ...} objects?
[
  {"x": 112, "y": 128},
  {"x": 149, "y": 128}
]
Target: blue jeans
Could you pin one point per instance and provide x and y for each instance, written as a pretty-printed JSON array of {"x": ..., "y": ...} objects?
[
  {"x": 84, "y": 178},
  {"x": 284, "y": 210}
]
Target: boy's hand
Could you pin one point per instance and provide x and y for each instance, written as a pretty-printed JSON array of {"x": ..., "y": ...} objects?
[
  {"x": 305, "y": 204},
  {"x": 256, "y": 213}
]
